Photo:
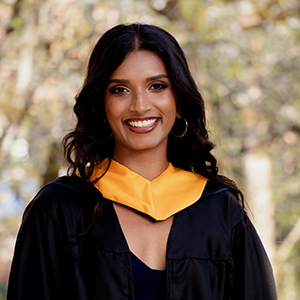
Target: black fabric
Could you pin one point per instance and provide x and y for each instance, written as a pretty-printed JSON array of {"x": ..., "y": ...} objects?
[{"x": 213, "y": 251}]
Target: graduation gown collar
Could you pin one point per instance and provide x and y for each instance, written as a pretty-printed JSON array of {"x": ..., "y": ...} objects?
[{"x": 170, "y": 192}]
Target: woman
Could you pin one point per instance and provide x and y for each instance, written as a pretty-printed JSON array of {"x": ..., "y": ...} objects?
[{"x": 144, "y": 213}]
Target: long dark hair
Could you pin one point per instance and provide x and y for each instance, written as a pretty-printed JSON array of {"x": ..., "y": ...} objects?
[{"x": 90, "y": 142}]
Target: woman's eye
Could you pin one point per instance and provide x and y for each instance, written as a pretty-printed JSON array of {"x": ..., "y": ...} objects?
[
  {"x": 118, "y": 90},
  {"x": 158, "y": 86}
]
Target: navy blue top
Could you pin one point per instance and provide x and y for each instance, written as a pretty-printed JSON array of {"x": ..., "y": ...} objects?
[{"x": 148, "y": 283}]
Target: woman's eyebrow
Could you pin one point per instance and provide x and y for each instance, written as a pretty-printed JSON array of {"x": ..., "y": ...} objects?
[
  {"x": 118, "y": 81},
  {"x": 156, "y": 77}
]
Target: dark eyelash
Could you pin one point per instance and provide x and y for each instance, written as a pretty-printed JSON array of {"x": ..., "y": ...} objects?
[
  {"x": 116, "y": 90},
  {"x": 159, "y": 85}
]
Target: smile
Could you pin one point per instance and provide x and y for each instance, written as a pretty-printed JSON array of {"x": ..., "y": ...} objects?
[{"x": 142, "y": 124}]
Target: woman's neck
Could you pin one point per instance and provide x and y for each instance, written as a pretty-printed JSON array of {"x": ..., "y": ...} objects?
[{"x": 147, "y": 165}]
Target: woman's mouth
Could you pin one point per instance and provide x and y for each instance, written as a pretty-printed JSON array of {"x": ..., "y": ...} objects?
[{"x": 142, "y": 126}]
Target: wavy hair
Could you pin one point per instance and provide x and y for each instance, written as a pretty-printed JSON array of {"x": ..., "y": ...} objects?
[{"x": 90, "y": 141}]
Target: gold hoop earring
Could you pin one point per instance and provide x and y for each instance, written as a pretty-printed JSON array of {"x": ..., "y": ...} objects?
[{"x": 185, "y": 131}]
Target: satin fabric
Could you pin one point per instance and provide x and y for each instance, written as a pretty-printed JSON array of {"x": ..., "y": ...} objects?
[
  {"x": 213, "y": 251},
  {"x": 159, "y": 198}
]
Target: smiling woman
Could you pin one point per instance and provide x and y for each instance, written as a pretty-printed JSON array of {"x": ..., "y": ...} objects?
[
  {"x": 141, "y": 108},
  {"x": 143, "y": 212}
]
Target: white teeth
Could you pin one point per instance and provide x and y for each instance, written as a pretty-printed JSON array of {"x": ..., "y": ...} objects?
[{"x": 141, "y": 124}]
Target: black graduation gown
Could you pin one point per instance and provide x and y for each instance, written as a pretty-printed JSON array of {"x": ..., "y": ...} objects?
[{"x": 213, "y": 250}]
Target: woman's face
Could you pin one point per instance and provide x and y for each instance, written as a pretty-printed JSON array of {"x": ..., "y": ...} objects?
[{"x": 140, "y": 104}]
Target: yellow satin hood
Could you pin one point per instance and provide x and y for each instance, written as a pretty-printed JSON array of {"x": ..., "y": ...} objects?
[{"x": 160, "y": 198}]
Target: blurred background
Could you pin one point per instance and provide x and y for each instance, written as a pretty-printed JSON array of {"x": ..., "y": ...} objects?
[{"x": 245, "y": 57}]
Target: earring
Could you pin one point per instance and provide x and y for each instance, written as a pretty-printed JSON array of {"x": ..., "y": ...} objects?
[{"x": 185, "y": 131}]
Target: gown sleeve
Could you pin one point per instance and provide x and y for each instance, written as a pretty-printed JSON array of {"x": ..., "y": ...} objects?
[
  {"x": 42, "y": 265},
  {"x": 253, "y": 278}
]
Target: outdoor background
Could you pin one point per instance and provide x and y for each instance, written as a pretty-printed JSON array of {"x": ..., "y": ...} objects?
[{"x": 245, "y": 57}]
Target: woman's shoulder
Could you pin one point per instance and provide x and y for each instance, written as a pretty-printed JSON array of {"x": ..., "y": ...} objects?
[
  {"x": 217, "y": 191},
  {"x": 62, "y": 189},
  {"x": 219, "y": 202},
  {"x": 60, "y": 200}
]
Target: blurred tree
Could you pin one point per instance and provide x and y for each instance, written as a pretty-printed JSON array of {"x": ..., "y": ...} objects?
[
  {"x": 251, "y": 57},
  {"x": 245, "y": 56}
]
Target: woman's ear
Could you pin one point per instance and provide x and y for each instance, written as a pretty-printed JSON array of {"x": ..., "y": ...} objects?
[{"x": 178, "y": 115}]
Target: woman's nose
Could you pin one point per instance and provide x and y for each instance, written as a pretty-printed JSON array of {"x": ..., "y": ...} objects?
[{"x": 140, "y": 103}]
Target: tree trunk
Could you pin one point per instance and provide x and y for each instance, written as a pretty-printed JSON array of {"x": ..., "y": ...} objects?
[{"x": 259, "y": 195}]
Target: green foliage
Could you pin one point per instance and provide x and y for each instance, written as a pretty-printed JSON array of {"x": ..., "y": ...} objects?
[
  {"x": 3, "y": 290},
  {"x": 245, "y": 55}
]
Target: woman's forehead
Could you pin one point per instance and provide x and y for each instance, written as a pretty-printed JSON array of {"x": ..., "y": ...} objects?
[{"x": 144, "y": 62}]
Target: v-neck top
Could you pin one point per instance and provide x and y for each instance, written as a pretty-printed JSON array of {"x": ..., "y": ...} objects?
[
  {"x": 172, "y": 191},
  {"x": 148, "y": 284}
]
